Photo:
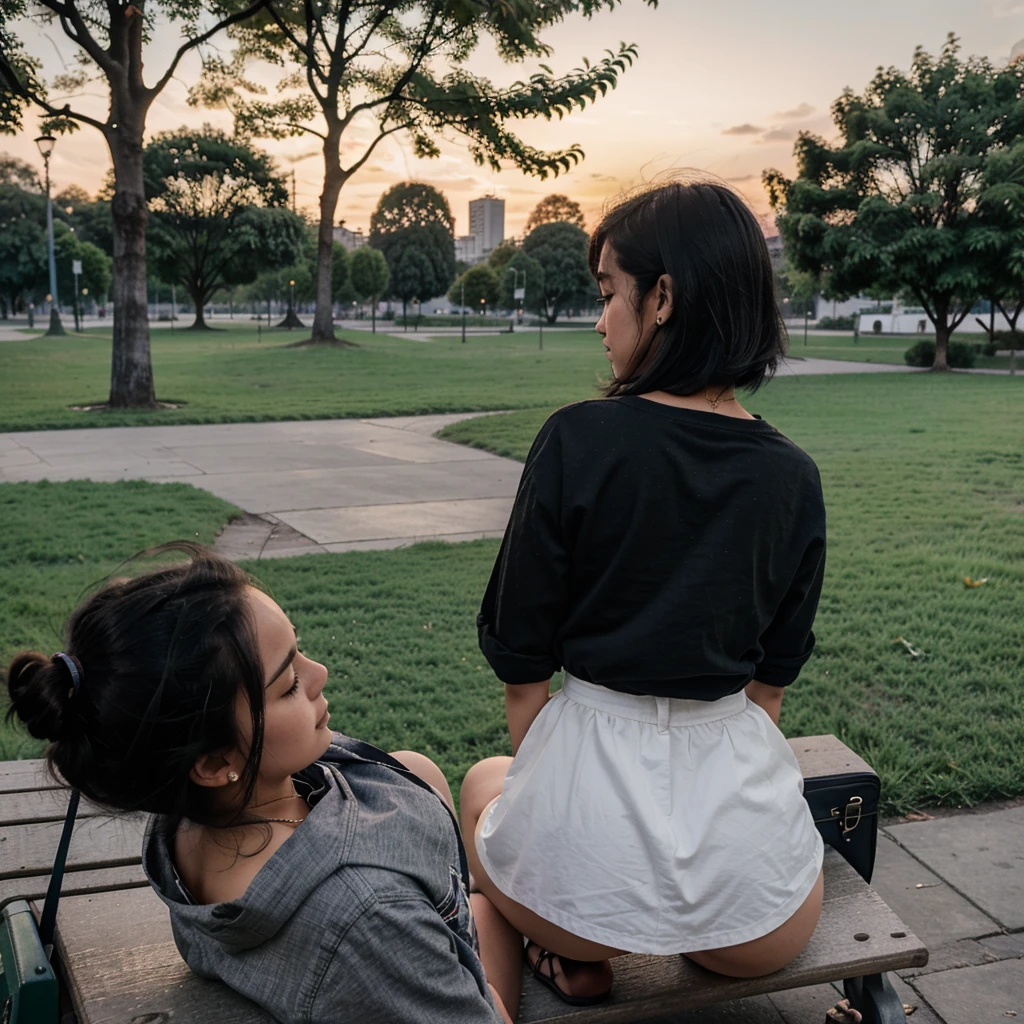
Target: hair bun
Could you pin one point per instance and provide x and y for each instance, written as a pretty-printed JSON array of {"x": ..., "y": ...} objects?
[{"x": 38, "y": 689}]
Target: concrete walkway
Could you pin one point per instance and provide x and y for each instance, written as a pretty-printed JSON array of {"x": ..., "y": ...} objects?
[{"x": 311, "y": 486}]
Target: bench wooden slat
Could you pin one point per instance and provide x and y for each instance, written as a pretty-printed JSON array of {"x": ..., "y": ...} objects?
[
  {"x": 97, "y": 843},
  {"x": 27, "y": 775},
  {"x": 122, "y": 963},
  {"x": 27, "y": 806},
  {"x": 826, "y": 755},
  {"x": 75, "y": 883}
]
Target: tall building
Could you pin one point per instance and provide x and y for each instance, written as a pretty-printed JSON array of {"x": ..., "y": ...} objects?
[{"x": 487, "y": 223}]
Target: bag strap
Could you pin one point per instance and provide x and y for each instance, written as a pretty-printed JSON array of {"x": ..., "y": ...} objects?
[{"x": 49, "y": 919}]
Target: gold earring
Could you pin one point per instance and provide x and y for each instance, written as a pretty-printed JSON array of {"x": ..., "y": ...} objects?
[{"x": 232, "y": 776}]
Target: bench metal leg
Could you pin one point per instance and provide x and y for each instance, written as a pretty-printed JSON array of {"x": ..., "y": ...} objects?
[{"x": 876, "y": 999}]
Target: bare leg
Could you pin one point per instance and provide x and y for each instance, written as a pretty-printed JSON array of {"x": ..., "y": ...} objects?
[
  {"x": 500, "y": 944},
  {"x": 421, "y": 765},
  {"x": 480, "y": 788},
  {"x": 501, "y": 950}
]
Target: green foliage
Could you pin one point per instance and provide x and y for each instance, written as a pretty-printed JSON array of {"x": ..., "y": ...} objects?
[
  {"x": 898, "y": 203},
  {"x": 836, "y": 323},
  {"x": 218, "y": 212},
  {"x": 370, "y": 277},
  {"x": 960, "y": 355},
  {"x": 96, "y": 265},
  {"x": 90, "y": 217},
  {"x": 500, "y": 255},
  {"x": 561, "y": 251},
  {"x": 410, "y": 204},
  {"x": 23, "y": 268},
  {"x": 912, "y": 511},
  {"x": 476, "y": 287},
  {"x": 412, "y": 228},
  {"x": 555, "y": 208},
  {"x": 528, "y": 270}
]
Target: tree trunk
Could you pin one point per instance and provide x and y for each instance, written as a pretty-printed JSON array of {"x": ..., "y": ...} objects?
[
  {"x": 334, "y": 178},
  {"x": 199, "y": 324},
  {"x": 131, "y": 368},
  {"x": 942, "y": 333}
]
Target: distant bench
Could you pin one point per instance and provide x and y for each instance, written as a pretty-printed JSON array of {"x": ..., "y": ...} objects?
[{"x": 119, "y": 962}]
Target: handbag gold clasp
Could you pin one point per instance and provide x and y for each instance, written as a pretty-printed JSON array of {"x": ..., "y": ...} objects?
[{"x": 853, "y": 807}]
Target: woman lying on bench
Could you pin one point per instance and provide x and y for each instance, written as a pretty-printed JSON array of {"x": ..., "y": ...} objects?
[{"x": 318, "y": 876}]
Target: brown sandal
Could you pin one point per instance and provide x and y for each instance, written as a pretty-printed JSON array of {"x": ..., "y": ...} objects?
[{"x": 543, "y": 970}]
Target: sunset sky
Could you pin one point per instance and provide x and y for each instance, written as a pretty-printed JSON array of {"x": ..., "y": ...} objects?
[{"x": 722, "y": 87}]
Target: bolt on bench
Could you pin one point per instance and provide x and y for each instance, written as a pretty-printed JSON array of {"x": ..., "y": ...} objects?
[{"x": 119, "y": 963}]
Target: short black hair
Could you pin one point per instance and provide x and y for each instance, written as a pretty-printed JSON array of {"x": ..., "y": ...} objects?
[{"x": 725, "y": 327}]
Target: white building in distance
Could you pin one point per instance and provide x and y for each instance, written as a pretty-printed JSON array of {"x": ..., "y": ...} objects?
[
  {"x": 351, "y": 240},
  {"x": 487, "y": 224}
]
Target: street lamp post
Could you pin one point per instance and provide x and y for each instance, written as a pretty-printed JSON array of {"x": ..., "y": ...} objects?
[
  {"x": 76, "y": 269},
  {"x": 56, "y": 329},
  {"x": 463, "y": 303}
]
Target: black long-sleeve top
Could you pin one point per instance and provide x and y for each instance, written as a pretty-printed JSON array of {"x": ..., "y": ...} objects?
[{"x": 658, "y": 550}]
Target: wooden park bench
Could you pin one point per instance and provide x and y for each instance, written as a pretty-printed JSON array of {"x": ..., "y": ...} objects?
[{"x": 119, "y": 964}]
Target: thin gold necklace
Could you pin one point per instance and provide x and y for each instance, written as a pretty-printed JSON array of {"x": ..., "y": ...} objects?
[{"x": 716, "y": 402}]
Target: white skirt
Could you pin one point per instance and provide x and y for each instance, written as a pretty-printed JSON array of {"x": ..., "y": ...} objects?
[{"x": 653, "y": 824}]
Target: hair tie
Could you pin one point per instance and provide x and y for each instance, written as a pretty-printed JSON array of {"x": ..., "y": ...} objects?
[{"x": 74, "y": 666}]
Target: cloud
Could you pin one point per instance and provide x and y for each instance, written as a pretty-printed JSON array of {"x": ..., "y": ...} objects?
[
  {"x": 779, "y": 135},
  {"x": 801, "y": 110},
  {"x": 1007, "y": 9},
  {"x": 603, "y": 177},
  {"x": 742, "y": 177},
  {"x": 743, "y": 129}
]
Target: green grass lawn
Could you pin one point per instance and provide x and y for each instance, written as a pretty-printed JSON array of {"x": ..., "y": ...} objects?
[
  {"x": 924, "y": 481},
  {"x": 230, "y": 376}
]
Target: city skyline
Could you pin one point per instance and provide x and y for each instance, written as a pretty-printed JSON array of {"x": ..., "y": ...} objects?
[{"x": 723, "y": 90}]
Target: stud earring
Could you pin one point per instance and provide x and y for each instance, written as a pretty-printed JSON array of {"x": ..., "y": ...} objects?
[
  {"x": 232, "y": 776},
  {"x": 657, "y": 320}
]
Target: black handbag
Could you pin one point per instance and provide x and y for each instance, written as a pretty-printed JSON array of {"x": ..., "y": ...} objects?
[{"x": 845, "y": 812}]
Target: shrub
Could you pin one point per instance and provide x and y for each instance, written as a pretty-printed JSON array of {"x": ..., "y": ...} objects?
[
  {"x": 835, "y": 323},
  {"x": 1010, "y": 339},
  {"x": 959, "y": 355}
]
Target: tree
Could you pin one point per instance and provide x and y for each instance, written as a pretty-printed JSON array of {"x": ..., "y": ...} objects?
[
  {"x": 96, "y": 265},
  {"x": 109, "y": 40},
  {"x": 22, "y": 244},
  {"x": 561, "y": 251},
  {"x": 89, "y": 217},
  {"x": 218, "y": 213},
  {"x": 530, "y": 275},
  {"x": 476, "y": 287},
  {"x": 896, "y": 202},
  {"x": 410, "y": 204},
  {"x": 370, "y": 278},
  {"x": 412, "y": 275},
  {"x": 555, "y": 208},
  {"x": 501, "y": 254},
  {"x": 1001, "y": 244},
  {"x": 412, "y": 226},
  {"x": 399, "y": 65}
]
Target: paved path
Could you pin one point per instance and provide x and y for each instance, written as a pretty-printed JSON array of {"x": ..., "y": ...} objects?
[{"x": 317, "y": 485}]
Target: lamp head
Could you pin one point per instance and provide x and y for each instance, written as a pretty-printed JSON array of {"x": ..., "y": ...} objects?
[
  {"x": 292, "y": 283},
  {"x": 46, "y": 144}
]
